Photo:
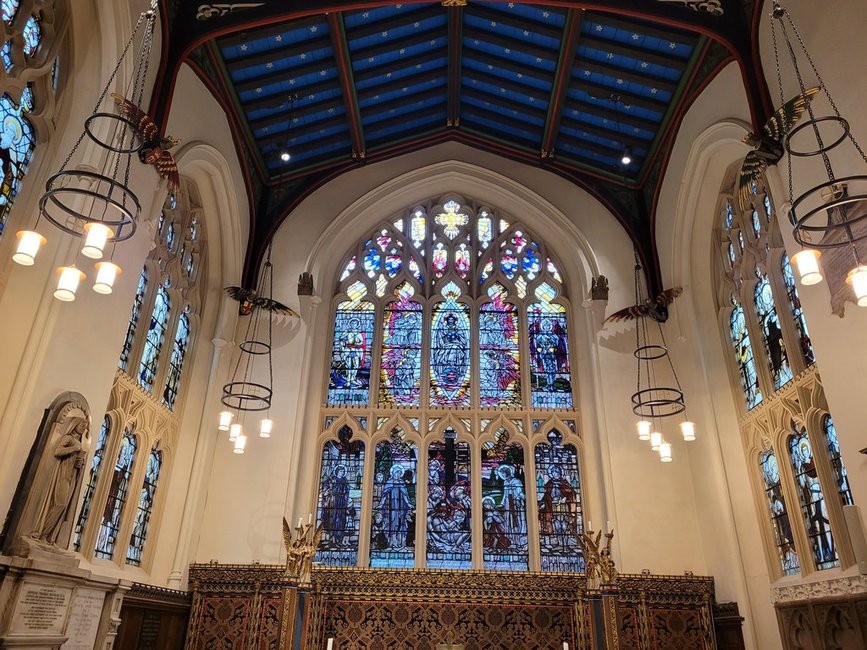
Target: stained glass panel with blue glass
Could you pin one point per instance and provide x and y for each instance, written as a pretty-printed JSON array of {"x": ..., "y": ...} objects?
[
  {"x": 840, "y": 475},
  {"x": 392, "y": 531},
  {"x": 118, "y": 491},
  {"x": 176, "y": 361},
  {"x": 145, "y": 508},
  {"x": 450, "y": 350},
  {"x": 400, "y": 364},
  {"x": 92, "y": 478},
  {"x": 449, "y": 504},
  {"x": 339, "y": 507},
  {"x": 499, "y": 351},
  {"x": 16, "y": 148},
  {"x": 797, "y": 312},
  {"x": 744, "y": 357},
  {"x": 785, "y": 541},
  {"x": 550, "y": 375},
  {"x": 772, "y": 333},
  {"x": 128, "y": 340},
  {"x": 504, "y": 506},
  {"x": 349, "y": 382},
  {"x": 154, "y": 340}
]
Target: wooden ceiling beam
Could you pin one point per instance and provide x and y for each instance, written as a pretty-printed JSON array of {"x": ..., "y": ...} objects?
[
  {"x": 456, "y": 27},
  {"x": 493, "y": 80},
  {"x": 607, "y": 93},
  {"x": 380, "y": 71},
  {"x": 608, "y": 114},
  {"x": 506, "y": 43},
  {"x": 637, "y": 53},
  {"x": 562, "y": 75},
  {"x": 347, "y": 83},
  {"x": 270, "y": 31},
  {"x": 401, "y": 20},
  {"x": 282, "y": 75},
  {"x": 484, "y": 96},
  {"x": 403, "y": 82},
  {"x": 601, "y": 132},
  {"x": 288, "y": 52},
  {"x": 645, "y": 29},
  {"x": 524, "y": 24},
  {"x": 508, "y": 64},
  {"x": 627, "y": 75},
  {"x": 276, "y": 100},
  {"x": 391, "y": 46},
  {"x": 281, "y": 136}
]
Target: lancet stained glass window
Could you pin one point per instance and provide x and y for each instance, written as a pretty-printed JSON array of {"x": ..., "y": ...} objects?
[
  {"x": 351, "y": 349},
  {"x": 504, "y": 505},
  {"x": 118, "y": 492},
  {"x": 449, "y": 504},
  {"x": 392, "y": 530},
  {"x": 16, "y": 148},
  {"x": 133, "y": 320},
  {"x": 499, "y": 351},
  {"x": 450, "y": 350},
  {"x": 400, "y": 364},
  {"x": 797, "y": 312},
  {"x": 744, "y": 356},
  {"x": 339, "y": 508},
  {"x": 176, "y": 360},
  {"x": 813, "y": 505},
  {"x": 772, "y": 333},
  {"x": 549, "y": 351},
  {"x": 834, "y": 457},
  {"x": 145, "y": 508},
  {"x": 154, "y": 340},
  {"x": 779, "y": 514},
  {"x": 558, "y": 495},
  {"x": 92, "y": 478}
]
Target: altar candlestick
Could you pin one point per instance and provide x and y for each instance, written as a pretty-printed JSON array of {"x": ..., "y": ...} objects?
[
  {"x": 330, "y": 643},
  {"x": 299, "y": 522},
  {"x": 590, "y": 525},
  {"x": 309, "y": 518}
]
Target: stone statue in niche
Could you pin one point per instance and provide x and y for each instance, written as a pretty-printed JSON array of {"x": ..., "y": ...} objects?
[
  {"x": 42, "y": 516},
  {"x": 305, "y": 284},
  {"x": 599, "y": 288}
]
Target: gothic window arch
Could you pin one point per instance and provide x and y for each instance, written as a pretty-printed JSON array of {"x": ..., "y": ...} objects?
[
  {"x": 449, "y": 351},
  {"x": 118, "y": 495},
  {"x": 775, "y": 371}
]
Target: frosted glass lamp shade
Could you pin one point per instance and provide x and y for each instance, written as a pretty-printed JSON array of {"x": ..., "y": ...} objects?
[
  {"x": 644, "y": 427},
  {"x": 265, "y": 428},
  {"x": 67, "y": 283},
  {"x": 240, "y": 444},
  {"x": 807, "y": 263},
  {"x": 106, "y": 273},
  {"x": 96, "y": 236},
  {"x": 687, "y": 428},
  {"x": 655, "y": 440},
  {"x": 665, "y": 452},
  {"x": 858, "y": 279},
  {"x": 29, "y": 243},
  {"x": 225, "y": 420},
  {"x": 234, "y": 432}
]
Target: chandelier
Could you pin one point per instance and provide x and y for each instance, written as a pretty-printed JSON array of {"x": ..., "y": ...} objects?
[
  {"x": 658, "y": 393},
  {"x": 91, "y": 199},
  {"x": 251, "y": 387},
  {"x": 831, "y": 215}
]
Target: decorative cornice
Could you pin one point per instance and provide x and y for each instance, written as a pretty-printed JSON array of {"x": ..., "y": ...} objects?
[
  {"x": 786, "y": 392},
  {"x": 151, "y": 594},
  {"x": 837, "y": 588}
]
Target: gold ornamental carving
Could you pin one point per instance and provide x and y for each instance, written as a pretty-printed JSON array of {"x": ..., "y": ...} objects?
[{"x": 301, "y": 545}]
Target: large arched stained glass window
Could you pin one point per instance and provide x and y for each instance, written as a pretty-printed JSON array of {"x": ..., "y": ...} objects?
[
  {"x": 504, "y": 505},
  {"x": 499, "y": 351},
  {"x": 549, "y": 351},
  {"x": 176, "y": 361},
  {"x": 133, "y": 320},
  {"x": 813, "y": 506},
  {"x": 797, "y": 313},
  {"x": 392, "y": 529},
  {"x": 400, "y": 364},
  {"x": 339, "y": 508},
  {"x": 784, "y": 541},
  {"x": 92, "y": 478},
  {"x": 450, "y": 350},
  {"x": 772, "y": 333},
  {"x": 840, "y": 475},
  {"x": 145, "y": 508},
  {"x": 154, "y": 341},
  {"x": 118, "y": 492},
  {"x": 558, "y": 495},
  {"x": 449, "y": 504},
  {"x": 744, "y": 356},
  {"x": 16, "y": 148},
  {"x": 351, "y": 349}
]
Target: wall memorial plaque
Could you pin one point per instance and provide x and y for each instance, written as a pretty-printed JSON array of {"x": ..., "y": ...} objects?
[
  {"x": 40, "y": 609},
  {"x": 84, "y": 617}
]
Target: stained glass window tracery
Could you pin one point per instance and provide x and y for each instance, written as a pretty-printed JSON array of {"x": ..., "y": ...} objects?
[
  {"x": 176, "y": 360},
  {"x": 450, "y": 350},
  {"x": 833, "y": 443},
  {"x": 118, "y": 492},
  {"x": 16, "y": 147},
  {"x": 813, "y": 506},
  {"x": 504, "y": 505},
  {"x": 797, "y": 312},
  {"x": 400, "y": 363},
  {"x": 499, "y": 351},
  {"x": 8, "y": 8},
  {"x": 339, "y": 508},
  {"x": 351, "y": 349},
  {"x": 392, "y": 531},
  {"x": 154, "y": 340},
  {"x": 550, "y": 375},
  {"x": 128, "y": 340},
  {"x": 32, "y": 36},
  {"x": 772, "y": 333},
  {"x": 92, "y": 478},
  {"x": 145, "y": 508},
  {"x": 784, "y": 539},
  {"x": 558, "y": 495},
  {"x": 449, "y": 504},
  {"x": 740, "y": 337}
]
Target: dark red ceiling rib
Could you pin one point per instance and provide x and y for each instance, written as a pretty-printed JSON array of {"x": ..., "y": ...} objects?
[
  {"x": 561, "y": 80},
  {"x": 456, "y": 27},
  {"x": 344, "y": 71}
]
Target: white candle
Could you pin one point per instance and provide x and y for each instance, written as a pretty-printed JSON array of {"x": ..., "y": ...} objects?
[
  {"x": 608, "y": 526},
  {"x": 565, "y": 646},
  {"x": 330, "y": 643},
  {"x": 589, "y": 525},
  {"x": 299, "y": 522},
  {"x": 310, "y": 518}
]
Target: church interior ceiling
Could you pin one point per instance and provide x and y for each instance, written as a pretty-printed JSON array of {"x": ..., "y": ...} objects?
[{"x": 570, "y": 86}]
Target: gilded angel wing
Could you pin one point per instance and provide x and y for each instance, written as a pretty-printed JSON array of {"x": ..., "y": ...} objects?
[
  {"x": 145, "y": 126},
  {"x": 752, "y": 170},
  {"x": 287, "y": 534},
  {"x": 667, "y": 297},
  {"x": 788, "y": 115},
  {"x": 168, "y": 169},
  {"x": 630, "y": 313}
]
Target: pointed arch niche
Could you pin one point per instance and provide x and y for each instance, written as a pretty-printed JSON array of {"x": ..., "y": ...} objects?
[{"x": 450, "y": 424}]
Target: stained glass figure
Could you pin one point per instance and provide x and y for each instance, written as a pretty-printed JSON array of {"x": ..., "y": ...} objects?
[
  {"x": 499, "y": 355},
  {"x": 347, "y": 271},
  {"x": 558, "y": 495},
  {"x": 484, "y": 230},
  {"x": 92, "y": 478},
  {"x": 797, "y": 312},
  {"x": 6, "y": 55},
  {"x": 351, "y": 350},
  {"x": 450, "y": 350},
  {"x": 154, "y": 340},
  {"x": 392, "y": 529},
  {"x": 32, "y": 34},
  {"x": 836, "y": 461},
  {"x": 8, "y": 9},
  {"x": 729, "y": 217},
  {"x": 128, "y": 340},
  {"x": 550, "y": 376},
  {"x": 418, "y": 228},
  {"x": 504, "y": 506},
  {"x": 530, "y": 264},
  {"x": 16, "y": 148},
  {"x": 744, "y": 356},
  {"x": 462, "y": 261},
  {"x": 508, "y": 263},
  {"x": 106, "y": 537},
  {"x": 757, "y": 225},
  {"x": 813, "y": 506},
  {"x": 176, "y": 361},
  {"x": 170, "y": 236},
  {"x": 552, "y": 269},
  {"x": 449, "y": 504},
  {"x": 772, "y": 334},
  {"x": 339, "y": 506},
  {"x": 400, "y": 364},
  {"x": 779, "y": 514},
  {"x": 769, "y": 211},
  {"x": 440, "y": 260},
  {"x": 372, "y": 262},
  {"x": 452, "y": 219},
  {"x": 145, "y": 508}
]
